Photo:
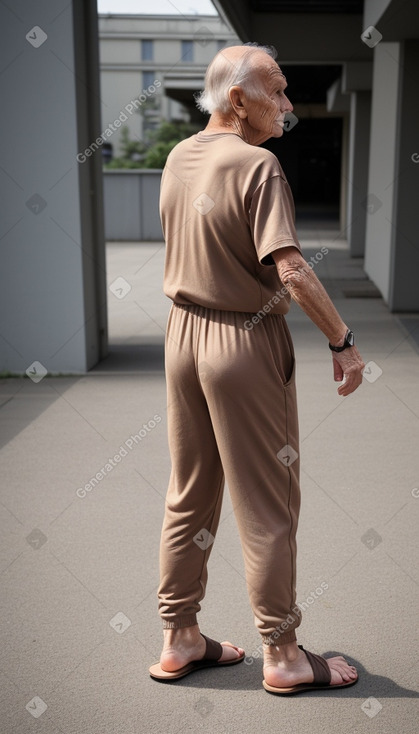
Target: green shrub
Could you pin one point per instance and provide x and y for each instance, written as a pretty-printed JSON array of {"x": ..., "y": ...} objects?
[{"x": 152, "y": 153}]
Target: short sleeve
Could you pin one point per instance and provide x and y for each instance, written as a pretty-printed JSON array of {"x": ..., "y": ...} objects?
[{"x": 272, "y": 218}]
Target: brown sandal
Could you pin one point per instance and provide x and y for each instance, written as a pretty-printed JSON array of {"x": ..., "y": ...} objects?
[
  {"x": 322, "y": 678},
  {"x": 212, "y": 654}
]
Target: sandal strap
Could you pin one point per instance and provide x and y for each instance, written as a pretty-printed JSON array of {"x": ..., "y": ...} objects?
[
  {"x": 213, "y": 650},
  {"x": 320, "y": 668}
]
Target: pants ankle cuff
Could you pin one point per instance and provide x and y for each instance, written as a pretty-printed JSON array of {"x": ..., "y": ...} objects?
[
  {"x": 177, "y": 623},
  {"x": 276, "y": 638}
]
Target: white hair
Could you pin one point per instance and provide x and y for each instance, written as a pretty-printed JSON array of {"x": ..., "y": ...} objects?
[{"x": 222, "y": 74}]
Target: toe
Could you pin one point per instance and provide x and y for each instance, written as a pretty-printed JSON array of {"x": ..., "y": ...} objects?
[
  {"x": 230, "y": 651},
  {"x": 341, "y": 671}
]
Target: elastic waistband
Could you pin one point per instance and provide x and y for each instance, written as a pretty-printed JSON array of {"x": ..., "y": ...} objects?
[{"x": 198, "y": 310}]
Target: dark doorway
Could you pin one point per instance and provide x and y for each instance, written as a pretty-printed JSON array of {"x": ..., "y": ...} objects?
[
  {"x": 310, "y": 152},
  {"x": 310, "y": 155}
]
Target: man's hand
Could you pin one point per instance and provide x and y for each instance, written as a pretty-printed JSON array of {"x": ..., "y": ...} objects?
[
  {"x": 347, "y": 367},
  {"x": 306, "y": 289}
]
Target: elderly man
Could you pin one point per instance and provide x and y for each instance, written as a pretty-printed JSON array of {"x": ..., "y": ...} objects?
[{"x": 233, "y": 261}]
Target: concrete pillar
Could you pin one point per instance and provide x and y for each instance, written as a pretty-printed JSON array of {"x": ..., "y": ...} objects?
[
  {"x": 338, "y": 102},
  {"x": 359, "y": 141},
  {"x": 392, "y": 252},
  {"x": 52, "y": 282},
  {"x": 382, "y": 165},
  {"x": 343, "y": 210},
  {"x": 404, "y": 264}
]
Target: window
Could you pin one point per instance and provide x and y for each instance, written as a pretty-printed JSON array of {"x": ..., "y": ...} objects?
[
  {"x": 187, "y": 51},
  {"x": 147, "y": 50},
  {"x": 148, "y": 78}
]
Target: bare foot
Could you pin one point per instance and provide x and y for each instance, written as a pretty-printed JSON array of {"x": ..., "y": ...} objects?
[
  {"x": 287, "y": 665},
  {"x": 182, "y": 646}
]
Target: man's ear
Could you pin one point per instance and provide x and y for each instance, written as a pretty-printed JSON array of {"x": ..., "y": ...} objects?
[{"x": 237, "y": 101}]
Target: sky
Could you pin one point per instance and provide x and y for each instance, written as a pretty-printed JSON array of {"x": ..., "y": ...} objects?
[{"x": 157, "y": 7}]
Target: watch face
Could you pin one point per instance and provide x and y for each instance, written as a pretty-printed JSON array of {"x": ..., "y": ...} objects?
[{"x": 350, "y": 338}]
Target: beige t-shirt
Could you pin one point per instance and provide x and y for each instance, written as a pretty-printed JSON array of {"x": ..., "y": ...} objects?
[{"x": 225, "y": 206}]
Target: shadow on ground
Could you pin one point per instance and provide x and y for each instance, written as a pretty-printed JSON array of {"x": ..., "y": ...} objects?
[
  {"x": 248, "y": 676},
  {"x": 132, "y": 358}
]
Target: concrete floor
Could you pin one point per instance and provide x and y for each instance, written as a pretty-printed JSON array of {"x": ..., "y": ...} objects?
[{"x": 79, "y": 568}]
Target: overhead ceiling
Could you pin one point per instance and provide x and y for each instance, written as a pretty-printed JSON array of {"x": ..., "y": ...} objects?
[
  {"x": 307, "y": 6},
  {"x": 395, "y": 19},
  {"x": 303, "y": 31}
]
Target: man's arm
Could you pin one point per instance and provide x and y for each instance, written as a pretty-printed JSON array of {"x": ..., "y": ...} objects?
[{"x": 306, "y": 289}]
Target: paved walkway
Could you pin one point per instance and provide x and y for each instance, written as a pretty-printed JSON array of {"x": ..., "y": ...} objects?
[{"x": 84, "y": 472}]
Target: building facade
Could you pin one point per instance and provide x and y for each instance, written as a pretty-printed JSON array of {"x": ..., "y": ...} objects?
[{"x": 151, "y": 65}]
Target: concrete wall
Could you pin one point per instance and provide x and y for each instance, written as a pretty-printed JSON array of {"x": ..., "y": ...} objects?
[
  {"x": 132, "y": 205},
  {"x": 382, "y": 165},
  {"x": 50, "y": 308}
]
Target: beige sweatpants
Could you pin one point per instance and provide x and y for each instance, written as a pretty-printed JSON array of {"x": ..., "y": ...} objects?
[{"x": 232, "y": 413}]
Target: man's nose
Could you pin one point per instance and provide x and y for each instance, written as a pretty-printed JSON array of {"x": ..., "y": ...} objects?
[{"x": 288, "y": 107}]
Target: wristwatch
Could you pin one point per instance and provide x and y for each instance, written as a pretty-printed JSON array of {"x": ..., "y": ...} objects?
[{"x": 349, "y": 342}]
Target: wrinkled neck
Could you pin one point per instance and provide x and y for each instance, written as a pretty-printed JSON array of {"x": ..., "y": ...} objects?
[{"x": 220, "y": 123}]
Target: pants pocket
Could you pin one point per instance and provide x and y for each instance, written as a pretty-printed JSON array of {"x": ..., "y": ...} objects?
[{"x": 280, "y": 345}]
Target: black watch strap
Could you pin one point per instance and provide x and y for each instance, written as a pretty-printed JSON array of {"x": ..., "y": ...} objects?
[{"x": 349, "y": 342}]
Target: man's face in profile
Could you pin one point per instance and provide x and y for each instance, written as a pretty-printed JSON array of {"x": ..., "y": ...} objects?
[{"x": 266, "y": 113}]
